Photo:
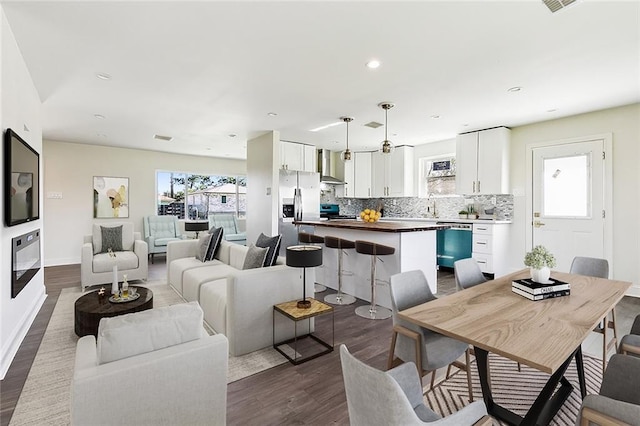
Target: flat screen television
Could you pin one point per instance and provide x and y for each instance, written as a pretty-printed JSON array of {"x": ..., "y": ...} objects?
[{"x": 21, "y": 180}]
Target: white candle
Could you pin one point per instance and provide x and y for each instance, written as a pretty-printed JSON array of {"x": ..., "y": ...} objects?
[{"x": 114, "y": 286}]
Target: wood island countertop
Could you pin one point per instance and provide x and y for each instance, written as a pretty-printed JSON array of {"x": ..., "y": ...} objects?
[{"x": 380, "y": 226}]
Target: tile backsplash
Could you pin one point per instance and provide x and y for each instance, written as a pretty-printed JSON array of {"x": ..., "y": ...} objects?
[{"x": 414, "y": 207}]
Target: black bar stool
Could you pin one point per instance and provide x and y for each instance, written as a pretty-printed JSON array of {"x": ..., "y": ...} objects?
[
  {"x": 374, "y": 250},
  {"x": 307, "y": 238},
  {"x": 339, "y": 298}
]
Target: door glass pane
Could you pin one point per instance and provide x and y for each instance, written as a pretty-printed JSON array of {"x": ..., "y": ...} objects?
[{"x": 566, "y": 188}]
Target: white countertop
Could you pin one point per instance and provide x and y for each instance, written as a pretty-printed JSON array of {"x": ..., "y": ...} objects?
[{"x": 439, "y": 219}]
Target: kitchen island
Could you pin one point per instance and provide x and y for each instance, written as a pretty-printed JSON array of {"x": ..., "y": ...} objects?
[{"x": 415, "y": 248}]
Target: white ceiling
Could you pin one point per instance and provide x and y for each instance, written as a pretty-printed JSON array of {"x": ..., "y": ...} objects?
[{"x": 200, "y": 71}]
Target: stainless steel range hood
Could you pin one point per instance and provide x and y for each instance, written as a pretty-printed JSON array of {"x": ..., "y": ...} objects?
[{"x": 324, "y": 168}]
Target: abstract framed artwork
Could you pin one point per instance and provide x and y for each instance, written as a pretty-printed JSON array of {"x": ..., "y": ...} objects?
[{"x": 110, "y": 197}]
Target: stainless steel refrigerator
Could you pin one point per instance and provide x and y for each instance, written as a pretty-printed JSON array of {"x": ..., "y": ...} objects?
[{"x": 299, "y": 195}]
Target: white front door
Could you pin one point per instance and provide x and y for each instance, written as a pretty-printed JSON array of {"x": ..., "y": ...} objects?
[{"x": 568, "y": 200}]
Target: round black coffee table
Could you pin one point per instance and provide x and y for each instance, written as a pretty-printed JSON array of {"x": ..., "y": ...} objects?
[{"x": 91, "y": 308}]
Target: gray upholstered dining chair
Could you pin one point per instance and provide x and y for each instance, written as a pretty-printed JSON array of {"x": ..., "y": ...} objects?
[
  {"x": 467, "y": 273},
  {"x": 410, "y": 342},
  {"x": 599, "y": 268},
  {"x": 630, "y": 343},
  {"x": 618, "y": 402},
  {"x": 394, "y": 397}
]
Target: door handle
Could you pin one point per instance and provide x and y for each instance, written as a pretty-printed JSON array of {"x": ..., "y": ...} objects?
[{"x": 538, "y": 224}]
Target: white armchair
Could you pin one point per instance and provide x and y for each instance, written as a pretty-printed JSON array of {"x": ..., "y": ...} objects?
[
  {"x": 156, "y": 367},
  {"x": 130, "y": 255}
]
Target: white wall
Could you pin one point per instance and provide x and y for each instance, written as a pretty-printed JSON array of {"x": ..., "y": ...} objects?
[
  {"x": 263, "y": 180},
  {"x": 624, "y": 124},
  {"x": 19, "y": 107},
  {"x": 69, "y": 168}
]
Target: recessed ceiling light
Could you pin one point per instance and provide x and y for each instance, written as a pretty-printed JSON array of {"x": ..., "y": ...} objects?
[
  {"x": 272, "y": 114},
  {"x": 99, "y": 116},
  {"x": 552, "y": 110},
  {"x": 101, "y": 135},
  {"x": 373, "y": 64},
  {"x": 103, "y": 76},
  {"x": 435, "y": 117},
  {"x": 326, "y": 126},
  {"x": 514, "y": 89},
  {"x": 465, "y": 125},
  {"x": 232, "y": 135},
  {"x": 163, "y": 138}
]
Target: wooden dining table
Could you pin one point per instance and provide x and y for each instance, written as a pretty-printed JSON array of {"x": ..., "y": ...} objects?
[{"x": 544, "y": 334}]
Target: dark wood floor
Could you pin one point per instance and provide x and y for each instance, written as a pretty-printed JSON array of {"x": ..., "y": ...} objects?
[{"x": 311, "y": 393}]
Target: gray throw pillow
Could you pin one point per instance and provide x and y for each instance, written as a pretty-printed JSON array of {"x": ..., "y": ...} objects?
[
  {"x": 111, "y": 238},
  {"x": 255, "y": 257},
  {"x": 273, "y": 244},
  {"x": 203, "y": 246},
  {"x": 214, "y": 242}
]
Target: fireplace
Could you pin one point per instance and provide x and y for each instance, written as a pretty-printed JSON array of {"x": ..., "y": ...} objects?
[{"x": 25, "y": 251}]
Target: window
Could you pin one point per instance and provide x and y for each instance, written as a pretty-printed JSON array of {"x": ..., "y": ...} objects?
[
  {"x": 567, "y": 186},
  {"x": 194, "y": 196},
  {"x": 438, "y": 176}
]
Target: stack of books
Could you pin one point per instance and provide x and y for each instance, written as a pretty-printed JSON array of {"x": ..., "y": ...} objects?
[{"x": 539, "y": 291}]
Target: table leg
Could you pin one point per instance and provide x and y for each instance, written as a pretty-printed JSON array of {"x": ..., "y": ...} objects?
[
  {"x": 580, "y": 368},
  {"x": 546, "y": 404}
]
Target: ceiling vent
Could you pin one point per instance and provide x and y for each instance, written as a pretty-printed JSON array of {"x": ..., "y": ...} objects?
[
  {"x": 163, "y": 138},
  {"x": 374, "y": 124},
  {"x": 556, "y": 5}
]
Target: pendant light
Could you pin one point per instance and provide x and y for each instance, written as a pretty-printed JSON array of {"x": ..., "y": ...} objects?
[
  {"x": 346, "y": 154},
  {"x": 386, "y": 147}
]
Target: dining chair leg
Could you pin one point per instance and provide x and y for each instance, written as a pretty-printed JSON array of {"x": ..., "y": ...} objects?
[
  {"x": 433, "y": 378},
  {"x": 448, "y": 370},
  {"x": 394, "y": 337},
  {"x": 519, "y": 370},
  {"x": 467, "y": 357},
  {"x": 604, "y": 342}
]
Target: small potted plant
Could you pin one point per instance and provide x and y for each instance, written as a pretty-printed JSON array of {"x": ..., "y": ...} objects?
[
  {"x": 540, "y": 260},
  {"x": 462, "y": 214}
]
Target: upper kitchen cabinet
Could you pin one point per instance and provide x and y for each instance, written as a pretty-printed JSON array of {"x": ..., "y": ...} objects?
[
  {"x": 297, "y": 156},
  {"x": 483, "y": 162},
  {"x": 392, "y": 174},
  {"x": 356, "y": 175},
  {"x": 362, "y": 174},
  {"x": 345, "y": 171}
]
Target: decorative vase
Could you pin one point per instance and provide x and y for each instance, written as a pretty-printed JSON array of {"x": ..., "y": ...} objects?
[{"x": 541, "y": 275}]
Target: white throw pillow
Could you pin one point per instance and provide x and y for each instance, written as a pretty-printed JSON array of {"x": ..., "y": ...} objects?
[{"x": 141, "y": 332}]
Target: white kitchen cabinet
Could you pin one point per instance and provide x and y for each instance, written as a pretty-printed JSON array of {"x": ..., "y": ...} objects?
[
  {"x": 482, "y": 162},
  {"x": 362, "y": 175},
  {"x": 297, "y": 156},
  {"x": 489, "y": 247},
  {"x": 348, "y": 178},
  {"x": 310, "y": 158},
  {"x": 392, "y": 174}
]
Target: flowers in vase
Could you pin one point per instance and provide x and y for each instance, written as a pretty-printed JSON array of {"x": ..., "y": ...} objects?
[{"x": 539, "y": 257}]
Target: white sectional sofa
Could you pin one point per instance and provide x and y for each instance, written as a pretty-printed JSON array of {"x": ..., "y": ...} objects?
[{"x": 238, "y": 303}]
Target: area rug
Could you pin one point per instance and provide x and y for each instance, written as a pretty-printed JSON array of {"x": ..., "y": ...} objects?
[
  {"x": 513, "y": 389},
  {"x": 45, "y": 396}
]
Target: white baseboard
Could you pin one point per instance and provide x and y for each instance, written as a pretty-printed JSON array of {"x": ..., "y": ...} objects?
[
  {"x": 9, "y": 352},
  {"x": 62, "y": 261},
  {"x": 634, "y": 291}
]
